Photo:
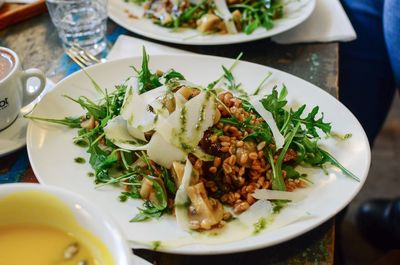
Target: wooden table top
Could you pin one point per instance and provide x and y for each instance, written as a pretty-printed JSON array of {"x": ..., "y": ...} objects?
[{"x": 37, "y": 44}]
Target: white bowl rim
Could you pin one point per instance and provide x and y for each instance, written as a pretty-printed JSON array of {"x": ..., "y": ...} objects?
[{"x": 125, "y": 254}]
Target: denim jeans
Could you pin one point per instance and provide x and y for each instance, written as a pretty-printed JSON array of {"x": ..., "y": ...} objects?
[{"x": 369, "y": 67}]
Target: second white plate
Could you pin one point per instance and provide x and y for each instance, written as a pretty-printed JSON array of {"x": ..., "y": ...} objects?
[{"x": 121, "y": 12}]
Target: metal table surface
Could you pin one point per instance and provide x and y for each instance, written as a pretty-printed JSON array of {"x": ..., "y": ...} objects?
[{"x": 37, "y": 44}]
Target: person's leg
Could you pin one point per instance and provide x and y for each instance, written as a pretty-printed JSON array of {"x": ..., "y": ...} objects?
[
  {"x": 378, "y": 219},
  {"x": 391, "y": 28},
  {"x": 366, "y": 84}
]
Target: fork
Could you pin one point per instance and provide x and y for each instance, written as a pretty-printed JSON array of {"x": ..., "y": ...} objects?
[{"x": 81, "y": 57}]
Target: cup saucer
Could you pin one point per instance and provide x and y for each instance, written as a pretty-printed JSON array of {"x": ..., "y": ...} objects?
[{"x": 14, "y": 137}]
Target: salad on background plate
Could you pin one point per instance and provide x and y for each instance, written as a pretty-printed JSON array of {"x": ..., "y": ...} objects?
[{"x": 209, "y": 22}]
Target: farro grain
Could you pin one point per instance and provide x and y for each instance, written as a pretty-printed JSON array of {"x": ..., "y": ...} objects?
[
  {"x": 223, "y": 144},
  {"x": 226, "y": 216},
  {"x": 217, "y": 161},
  {"x": 241, "y": 172},
  {"x": 239, "y": 143},
  {"x": 224, "y": 138},
  {"x": 243, "y": 159},
  {"x": 227, "y": 168},
  {"x": 212, "y": 170},
  {"x": 241, "y": 207},
  {"x": 253, "y": 155},
  {"x": 261, "y": 146},
  {"x": 224, "y": 149},
  {"x": 232, "y": 160}
]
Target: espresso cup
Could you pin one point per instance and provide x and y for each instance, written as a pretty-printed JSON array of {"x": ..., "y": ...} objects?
[{"x": 14, "y": 91}]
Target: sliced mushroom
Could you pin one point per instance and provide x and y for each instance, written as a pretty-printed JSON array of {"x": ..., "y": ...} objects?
[
  {"x": 208, "y": 22},
  {"x": 88, "y": 123},
  {"x": 188, "y": 92},
  {"x": 237, "y": 17},
  {"x": 165, "y": 18},
  {"x": 178, "y": 170},
  {"x": 146, "y": 189},
  {"x": 217, "y": 116},
  {"x": 169, "y": 102},
  {"x": 153, "y": 189},
  {"x": 204, "y": 212}
]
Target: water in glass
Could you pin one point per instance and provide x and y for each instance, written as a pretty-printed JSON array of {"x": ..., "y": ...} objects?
[{"x": 81, "y": 22}]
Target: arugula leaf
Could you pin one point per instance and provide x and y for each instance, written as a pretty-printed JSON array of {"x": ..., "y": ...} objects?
[
  {"x": 146, "y": 80},
  {"x": 291, "y": 172},
  {"x": 72, "y": 122},
  {"x": 160, "y": 201},
  {"x": 138, "y": 2},
  {"x": 328, "y": 158},
  {"x": 262, "y": 133},
  {"x": 231, "y": 79},
  {"x": 211, "y": 85},
  {"x": 275, "y": 102},
  {"x": 97, "y": 111},
  {"x": 147, "y": 212},
  {"x": 168, "y": 181},
  {"x": 128, "y": 194},
  {"x": 259, "y": 87},
  {"x": 311, "y": 154},
  {"x": 310, "y": 122},
  {"x": 172, "y": 74},
  {"x": 188, "y": 14},
  {"x": 278, "y": 182}
]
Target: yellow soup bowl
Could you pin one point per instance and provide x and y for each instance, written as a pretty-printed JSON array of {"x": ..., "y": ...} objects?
[{"x": 46, "y": 225}]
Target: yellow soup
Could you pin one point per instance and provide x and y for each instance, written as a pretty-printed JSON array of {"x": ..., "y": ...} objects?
[
  {"x": 41, "y": 245},
  {"x": 37, "y": 228}
]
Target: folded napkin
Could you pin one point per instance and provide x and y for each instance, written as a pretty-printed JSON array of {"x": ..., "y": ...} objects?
[
  {"x": 126, "y": 46},
  {"x": 328, "y": 22}
]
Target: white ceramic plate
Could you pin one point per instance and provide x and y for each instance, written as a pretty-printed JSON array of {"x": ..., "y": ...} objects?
[
  {"x": 52, "y": 152},
  {"x": 119, "y": 11},
  {"x": 14, "y": 137}
]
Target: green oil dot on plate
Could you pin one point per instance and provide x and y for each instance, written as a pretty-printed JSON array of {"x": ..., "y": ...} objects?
[
  {"x": 79, "y": 160},
  {"x": 81, "y": 143}
]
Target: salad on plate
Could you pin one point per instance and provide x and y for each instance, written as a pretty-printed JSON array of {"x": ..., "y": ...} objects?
[
  {"x": 205, "y": 154},
  {"x": 215, "y": 16}
]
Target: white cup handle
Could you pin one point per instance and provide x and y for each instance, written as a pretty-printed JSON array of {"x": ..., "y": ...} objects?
[{"x": 29, "y": 96}]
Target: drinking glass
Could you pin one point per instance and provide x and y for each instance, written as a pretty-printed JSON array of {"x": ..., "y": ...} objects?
[{"x": 82, "y": 22}]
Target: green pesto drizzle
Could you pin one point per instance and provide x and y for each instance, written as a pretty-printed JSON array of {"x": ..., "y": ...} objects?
[
  {"x": 130, "y": 120},
  {"x": 183, "y": 119},
  {"x": 155, "y": 119},
  {"x": 259, "y": 226},
  {"x": 79, "y": 160},
  {"x": 156, "y": 244},
  {"x": 81, "y": 143},
  {"x": 184, "y": 146},
  {"x": 202, "y": 116},
  {"x": 128, "y": 98}
]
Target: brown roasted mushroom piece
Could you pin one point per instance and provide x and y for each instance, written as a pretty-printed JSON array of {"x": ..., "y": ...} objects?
[
  {"x": 204, "y": 212},
  {"x": 178, "y": 170},
  {"x": 148, "y": 192},
  {"x": 208, "y": 22}
]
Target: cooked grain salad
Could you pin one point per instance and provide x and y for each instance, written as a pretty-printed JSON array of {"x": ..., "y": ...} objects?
[{"x": 204, "y": 154}]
